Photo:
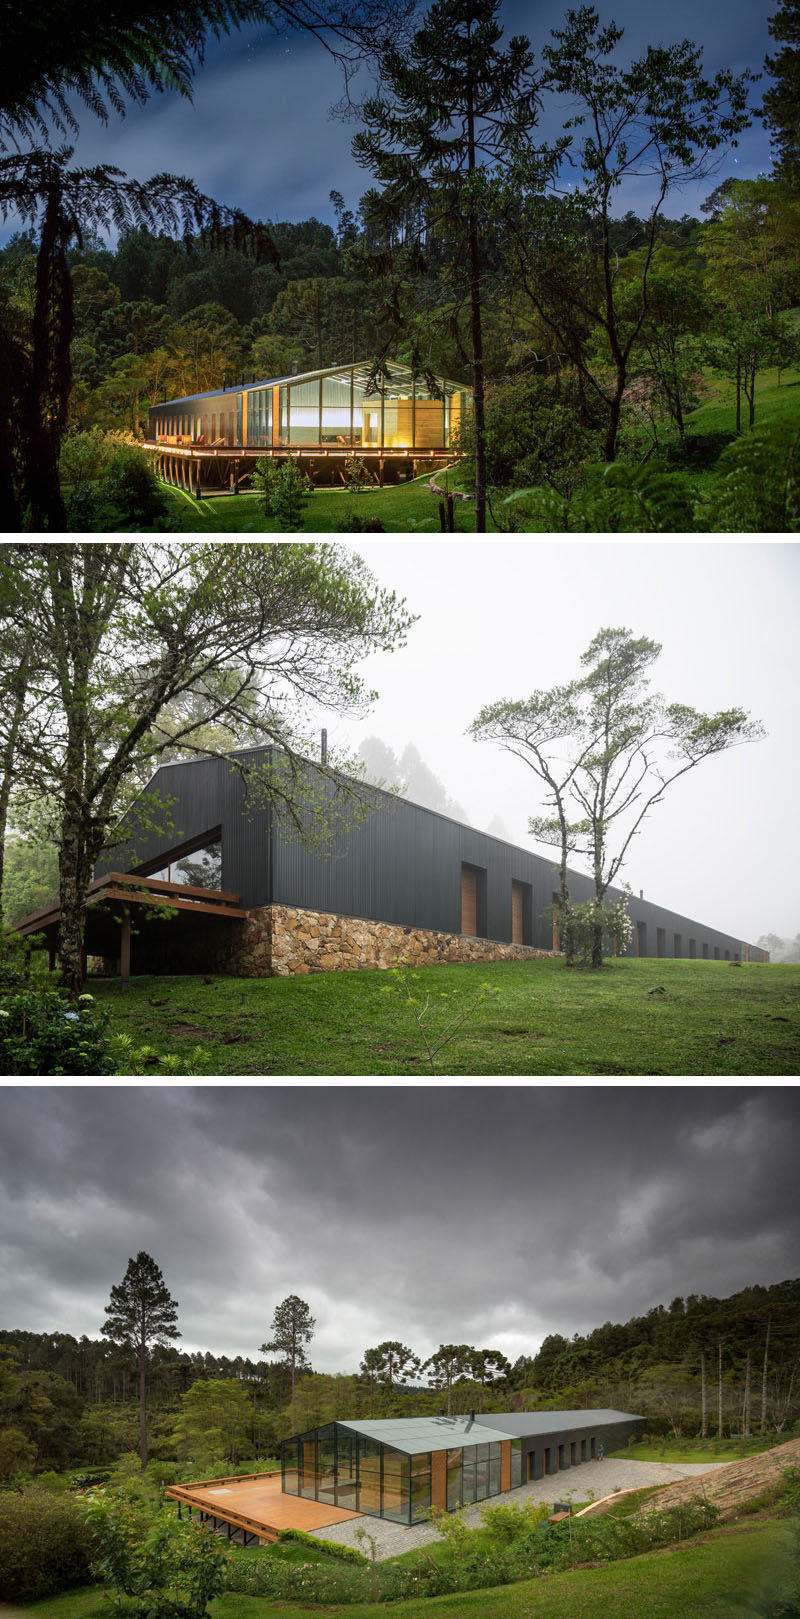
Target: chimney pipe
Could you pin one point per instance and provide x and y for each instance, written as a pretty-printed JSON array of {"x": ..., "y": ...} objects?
[
  {"x": 324, "y": 748},
  {"x": 641, "y": 893}
]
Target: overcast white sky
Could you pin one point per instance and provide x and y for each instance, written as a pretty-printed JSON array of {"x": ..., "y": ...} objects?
[
  {"x": 490, "y": 1215},
  {"x": 501, "y": 618}
]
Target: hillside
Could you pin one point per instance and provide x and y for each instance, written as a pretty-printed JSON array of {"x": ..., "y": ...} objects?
[{"x": 732, "y": 1487}]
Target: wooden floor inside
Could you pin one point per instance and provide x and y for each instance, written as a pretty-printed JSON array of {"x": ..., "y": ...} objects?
[{"x": 260, "y": 1501}]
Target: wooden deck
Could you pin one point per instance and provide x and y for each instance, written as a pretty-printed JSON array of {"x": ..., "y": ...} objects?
[{"x": 254, "y": 1506}]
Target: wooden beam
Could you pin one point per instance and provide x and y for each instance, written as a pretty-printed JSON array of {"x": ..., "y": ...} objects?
[{"x": 125, "y": 949}]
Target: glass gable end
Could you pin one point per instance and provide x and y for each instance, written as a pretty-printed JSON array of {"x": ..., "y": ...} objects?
[{"x": 360, "y": 1474}]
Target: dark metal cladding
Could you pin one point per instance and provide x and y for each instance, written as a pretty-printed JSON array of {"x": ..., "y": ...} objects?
[{"x": 399, "y": 864}]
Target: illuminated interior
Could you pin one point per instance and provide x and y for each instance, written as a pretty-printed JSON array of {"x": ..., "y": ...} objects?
[{"x": 345, "y": 407}]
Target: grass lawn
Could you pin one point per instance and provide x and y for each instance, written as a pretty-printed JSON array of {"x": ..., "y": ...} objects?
[
  {"x": 696, "y": 1450},
  {"x": 775, "y": 400},
  {"x": 739, "y": 1573},
  {"x": 402, "y": 508},
  {"x": 711, "y": 1019}
]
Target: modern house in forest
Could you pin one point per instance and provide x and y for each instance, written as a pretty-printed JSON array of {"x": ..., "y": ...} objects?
[
  {"x": 394, "y": 420},
  {"x": 399, "y": 1469},
  {"x": 230, "y": 887}
]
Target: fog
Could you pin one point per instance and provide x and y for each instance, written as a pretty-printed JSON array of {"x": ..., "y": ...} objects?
[{"x": 502, "y": 617}]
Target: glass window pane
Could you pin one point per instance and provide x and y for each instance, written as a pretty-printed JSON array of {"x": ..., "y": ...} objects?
[
  {"x": 326, "y": 1465},
  {"x": 308, "y": 1468},
  {"x": 201, "y": 869},
  {"x": 369, "y": 1469},
  {"x": 421, "y": 1486},
  {"x": 516, "y": 1463},
  {"x": 494, "y": 1469},
  {"x": 395, "y": 1485},
  {"x": 346, "y": 1475},
  {"x": 289, "y": 1464},
  {"x": 468, "y": 1483},
  {"x": 454, "y": 1460}
]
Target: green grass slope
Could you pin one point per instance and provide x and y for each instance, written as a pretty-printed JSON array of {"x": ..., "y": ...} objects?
[
  {"x": 743, "y": 1573},
  {"x": 712, "y": 1018}
]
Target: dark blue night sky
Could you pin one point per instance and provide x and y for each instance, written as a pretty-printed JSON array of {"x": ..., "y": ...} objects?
[{"x": 260, "y": 135}]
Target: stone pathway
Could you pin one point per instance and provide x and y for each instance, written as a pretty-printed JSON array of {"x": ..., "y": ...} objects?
[{"x": 573, "y": 1484}]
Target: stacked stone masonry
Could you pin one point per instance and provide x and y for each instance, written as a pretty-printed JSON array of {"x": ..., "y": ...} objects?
[{"x": 284, "y": 940}]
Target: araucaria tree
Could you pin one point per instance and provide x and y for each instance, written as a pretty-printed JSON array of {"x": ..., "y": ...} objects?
[
  {"x": 292, "y": 1328},
  {"x": 453, "y": 103},
  {"x": 142, "y": 1313},
  {"x": 612, "y": 751},
  {"x": 195, "y": 635}
]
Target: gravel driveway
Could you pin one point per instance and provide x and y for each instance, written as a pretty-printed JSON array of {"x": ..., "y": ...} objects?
[{"x": 573, "y": 1484}]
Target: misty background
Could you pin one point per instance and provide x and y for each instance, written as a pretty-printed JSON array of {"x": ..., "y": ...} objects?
[{"x": 502, "y": 618}]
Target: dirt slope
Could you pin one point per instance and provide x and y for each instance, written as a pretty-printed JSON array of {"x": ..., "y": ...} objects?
[{"x": 730, "y": 1487}]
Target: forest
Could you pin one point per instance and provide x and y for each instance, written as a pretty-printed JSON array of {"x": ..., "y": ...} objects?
[
  {"x": 699, "y": 1365},
  {"x": 588, "y": 334}
]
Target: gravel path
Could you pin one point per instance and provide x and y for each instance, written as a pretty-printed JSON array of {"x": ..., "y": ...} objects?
[{"x": 573, "y": 1484}]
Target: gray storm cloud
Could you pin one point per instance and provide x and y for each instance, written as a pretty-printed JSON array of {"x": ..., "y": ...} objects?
[{"x": 493, "y": 1214}]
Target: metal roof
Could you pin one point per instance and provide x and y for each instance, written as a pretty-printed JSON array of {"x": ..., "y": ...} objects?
[
  {"x": 361, "y": 368},
  {"x": 526, "y": 1424},
  {"x": 415, "y": 1434}
]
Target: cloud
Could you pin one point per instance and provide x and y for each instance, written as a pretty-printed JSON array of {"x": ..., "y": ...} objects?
[{"x": 492, "y": 1215}]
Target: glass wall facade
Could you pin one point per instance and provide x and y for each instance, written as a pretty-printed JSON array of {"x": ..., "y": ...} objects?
[
  {"x": 349, "y": 1470},
  {"x": 346, "y": 409}
]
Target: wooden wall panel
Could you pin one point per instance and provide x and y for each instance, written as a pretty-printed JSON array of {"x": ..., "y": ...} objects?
[
  {"x": 469, "y": 902},
  {"x": 439, "y": 1479}
]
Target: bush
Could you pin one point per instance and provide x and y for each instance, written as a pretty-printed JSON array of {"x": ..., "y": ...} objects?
[
  {"x": 170, "y": 1570},
  {"x": 617, "y": 499},
  {"x": 353, "y": 523},
  {"x": 535, "y": 435},
  {"x": 43, "y": 1032},
  {"x": 758, "y": 488},
  {"x": 123, "y": 495},
  {"x": 46, "y": 1545},
  {"x": 328, "y": 1548}
]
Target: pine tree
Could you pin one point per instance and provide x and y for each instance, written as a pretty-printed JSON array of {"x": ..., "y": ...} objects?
[
  {"x": 453, "y": 104},
  {"x": 142, "y": 1312},
  {"x": 782, "y": 100},
  {"x": 292, "y": 1328}
]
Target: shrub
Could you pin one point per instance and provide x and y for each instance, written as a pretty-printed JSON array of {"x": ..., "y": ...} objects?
[
  {"x": 43, "y": 1032},
  {"x": 171, "y": 1571},
  {"x": 535, "y": 435},
  {"x": 328, "y": 1548},
  {"x": 617, "y": 499},
  {"x": 45, "y": 1545},
  {"x": 353, "y": 523},
  {"x": 758, "y": 488},
  {"x": 123, "y": 495}
]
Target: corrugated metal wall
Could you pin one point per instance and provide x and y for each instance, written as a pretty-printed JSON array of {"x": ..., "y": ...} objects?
[{"x": 402, "y": 864}]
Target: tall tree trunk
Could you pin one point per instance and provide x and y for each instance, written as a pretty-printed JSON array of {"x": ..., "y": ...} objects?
[
  {"x": 18, "y": 692},
  {"x": 143, "y": 1405},
  {"x": 738, "y": 394},
  {"x": 44, "y": 412},
  {"x": 703, "y": 1397},
  {"x": 719, "y": 1390},
  {"x": 746, "y": 1402},
  {"x": 764, "y": 1378},
  {"x": 615, "y": 411},
  {"x": 476, "y": 330}
]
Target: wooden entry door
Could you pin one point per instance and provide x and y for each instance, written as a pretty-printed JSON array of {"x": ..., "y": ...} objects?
[{"x": 469, "y": 901}]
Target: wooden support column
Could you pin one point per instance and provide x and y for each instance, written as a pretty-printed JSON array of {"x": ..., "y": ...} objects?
[
  {"x": 439, "y": 1479},
  {"x": 51, "y": 954},
  {"x": 125, "y": 948}
]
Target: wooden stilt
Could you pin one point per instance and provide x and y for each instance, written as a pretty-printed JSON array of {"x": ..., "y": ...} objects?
[{"x": 125, "y": 948}]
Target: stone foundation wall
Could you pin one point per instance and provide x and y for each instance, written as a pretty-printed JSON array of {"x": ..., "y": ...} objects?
[{"x": 282, "y": 940}]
